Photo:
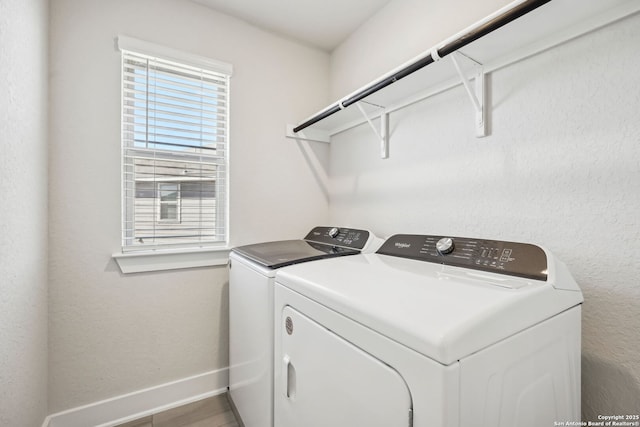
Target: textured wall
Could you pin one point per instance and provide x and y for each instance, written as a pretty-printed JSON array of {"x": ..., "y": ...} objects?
[
  {"x": 560, "y": 168},
  {"x": 23, "y": 212},
  {"x": 112, "y": 334}
]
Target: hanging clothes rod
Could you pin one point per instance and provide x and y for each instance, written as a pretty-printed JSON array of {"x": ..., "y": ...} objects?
[{"x": 452, "y": 45}]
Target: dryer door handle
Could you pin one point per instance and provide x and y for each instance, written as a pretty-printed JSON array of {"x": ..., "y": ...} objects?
[{"x": 289, "y": 375}]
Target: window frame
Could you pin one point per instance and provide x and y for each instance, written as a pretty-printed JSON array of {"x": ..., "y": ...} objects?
[{"x": 173, "y": 257}]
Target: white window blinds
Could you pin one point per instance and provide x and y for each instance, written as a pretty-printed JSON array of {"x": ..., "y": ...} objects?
[{"x": 174, "y": 145}]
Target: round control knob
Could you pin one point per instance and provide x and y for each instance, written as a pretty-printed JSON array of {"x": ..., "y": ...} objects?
[
  {"x": 333, "y": 233},
  {"x": 445, "y": 245}
]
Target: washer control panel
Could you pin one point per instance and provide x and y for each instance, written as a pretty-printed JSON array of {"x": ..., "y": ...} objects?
[
  {"x": 511, "y": 258},
  {"x": 338, "y": 236}
]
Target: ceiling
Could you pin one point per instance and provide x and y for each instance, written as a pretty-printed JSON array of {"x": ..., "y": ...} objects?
[{"x": 320, "y": 23}]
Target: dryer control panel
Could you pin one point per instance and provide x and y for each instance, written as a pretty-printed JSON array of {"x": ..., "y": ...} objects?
[
  {"x": 515, "y": 259},
  {"x": 337, "y": 236}
]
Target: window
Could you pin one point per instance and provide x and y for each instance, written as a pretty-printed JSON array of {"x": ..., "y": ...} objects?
[
  {"x": 174, "y": 148},
  {"x": 169, "y": 202}
]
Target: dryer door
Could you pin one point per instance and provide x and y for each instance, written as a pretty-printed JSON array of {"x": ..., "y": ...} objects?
[{"x": 327, "y": 381}]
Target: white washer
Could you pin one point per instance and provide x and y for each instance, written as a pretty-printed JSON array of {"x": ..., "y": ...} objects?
[
  {"x": 429, "y": 332},
  {"x": 251, "y": 281}
]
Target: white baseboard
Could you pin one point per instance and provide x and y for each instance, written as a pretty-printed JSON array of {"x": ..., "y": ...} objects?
[{"x": 131, "y": 406}]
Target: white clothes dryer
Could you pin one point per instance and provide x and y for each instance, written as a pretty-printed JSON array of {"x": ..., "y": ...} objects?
[
  {"x": 429, "y": 331},
  {"x": 251, "y": 281}
]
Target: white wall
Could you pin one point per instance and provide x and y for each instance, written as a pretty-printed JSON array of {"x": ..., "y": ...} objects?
[
  {"x": 561, "y": 168},
  {"x": 23, "y": 212},
  {"x": 112, "y": 334}
]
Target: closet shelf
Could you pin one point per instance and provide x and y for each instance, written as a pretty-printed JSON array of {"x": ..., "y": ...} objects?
[{"x": 519, "y": 30}]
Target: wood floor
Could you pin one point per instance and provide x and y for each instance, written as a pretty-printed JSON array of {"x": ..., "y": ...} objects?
[{"x": 211, "y": 412}]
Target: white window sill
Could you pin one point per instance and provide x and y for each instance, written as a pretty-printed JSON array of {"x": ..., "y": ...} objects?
[{"x": 170, "y": 259}]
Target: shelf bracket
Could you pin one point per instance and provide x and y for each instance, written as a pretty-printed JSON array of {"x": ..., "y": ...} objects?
[
  {"x": 383, "y": 134},
  {"x": 307, "y": 135},
  {"x": 476, "y": 93}
]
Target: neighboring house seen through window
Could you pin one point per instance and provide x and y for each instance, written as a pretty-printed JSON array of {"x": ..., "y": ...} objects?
[{"x": 174, "y": 144}]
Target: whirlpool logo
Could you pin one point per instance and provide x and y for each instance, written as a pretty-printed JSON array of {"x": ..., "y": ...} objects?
[{"x": 401, "y": 245}]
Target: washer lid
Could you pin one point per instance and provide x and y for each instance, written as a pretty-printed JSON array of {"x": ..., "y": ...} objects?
[
  {"x": 442, "y": 312},
  {"x": 321, "y": 242},
  {"x": 287, "y": 252}
]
